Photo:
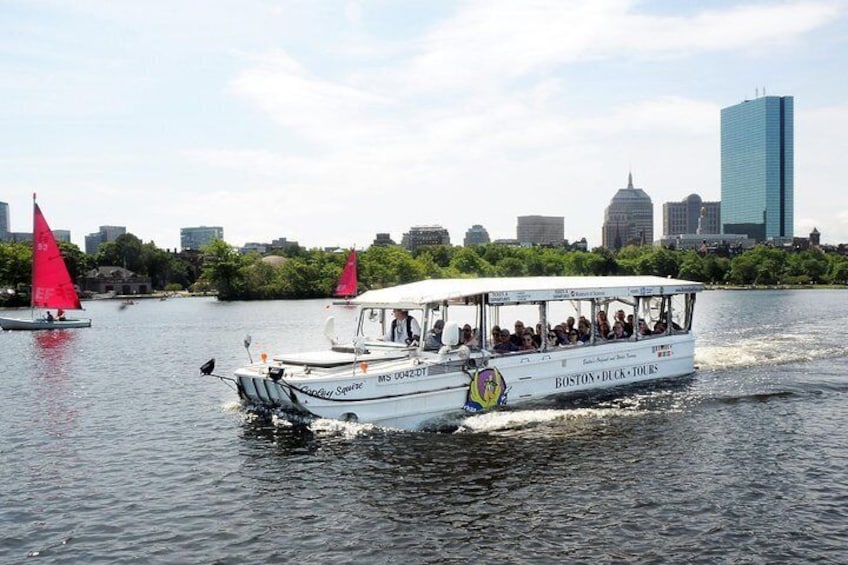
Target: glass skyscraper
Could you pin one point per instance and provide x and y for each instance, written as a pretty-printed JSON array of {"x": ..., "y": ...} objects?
[
  {"x": 757, "y": 168},
  {"x": 4, "y": 221}
]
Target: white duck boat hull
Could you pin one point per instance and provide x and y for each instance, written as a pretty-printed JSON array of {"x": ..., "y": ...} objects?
[{"x": 413, "y": 392}]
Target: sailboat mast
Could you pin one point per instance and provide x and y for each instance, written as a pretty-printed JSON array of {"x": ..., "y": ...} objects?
[{"x": 34, "y": 262}]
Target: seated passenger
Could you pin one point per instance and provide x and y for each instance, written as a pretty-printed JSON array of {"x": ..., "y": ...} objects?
[
  {"x": 516, "y": 337},
  {"x": 60, "y": 314},
  {"x": 601, "y": 317},
  {"x": 642, "y": 328},
  {"x": 468, "y": 336},
  {"x": 434, "y": 336},
  {"x": 628, "y": 326},
  {"x": 496, "y": 336},
  {"x": 528, "y": 343},
  {"x": 603, "y": 329},
  {"x": 505, "y": 345},
  {"x": 659, "y": 328},
  {"x": 49, "y": 316},
  {"x": 584, "y": 331},
  {"x": 572, "y": 337},
  {"x": 560, "y": 335},
  {"x": 537, "y": 337},
  {"x": 617, "y": 331}
]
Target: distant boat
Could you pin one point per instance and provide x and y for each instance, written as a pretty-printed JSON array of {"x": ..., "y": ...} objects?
[
  {"x": 347, "y": 286},
  {"x": 52, "y": 286}
]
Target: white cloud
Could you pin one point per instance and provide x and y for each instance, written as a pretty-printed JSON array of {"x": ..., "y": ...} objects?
[
  {"x": 495, "y": 110},
  {"x": 490, "y": 43}
]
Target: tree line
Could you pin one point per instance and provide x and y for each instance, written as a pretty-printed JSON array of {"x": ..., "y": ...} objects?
[
  {"x": 167, "y": 270},
  {"x": 300, "y": 273},
  {"x": 314, "y": 273}
]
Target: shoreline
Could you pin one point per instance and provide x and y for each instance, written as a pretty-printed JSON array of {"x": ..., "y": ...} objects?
[{"x": 775, "y": 287}]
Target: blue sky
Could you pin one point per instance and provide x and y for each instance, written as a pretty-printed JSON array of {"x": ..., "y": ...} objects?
[{"x": 326, "y": 122}]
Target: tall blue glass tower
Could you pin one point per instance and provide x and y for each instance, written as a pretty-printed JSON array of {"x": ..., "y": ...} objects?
[{"x": 757, "y": 168}]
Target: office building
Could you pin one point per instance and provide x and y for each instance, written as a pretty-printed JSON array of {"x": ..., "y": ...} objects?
[
  {"x": 476, "y": 235},
  {"x": 540, "y": 230},
  {"x": 62, "y": 235},
  {"x": 19, "y": 236},
  {"x": 757, "y": 168},
  {"x": 283, "y": 243},
  {"x": 383, "y": 240},
  {"x": 629, "y": 218},
  {"x": 692, "y": 215},
  {"x": 419, "y": 236},
  {"x": 104, "y": 234},
  {"x": 4, "y": 221},
  {"x": 195, "y": 238}
]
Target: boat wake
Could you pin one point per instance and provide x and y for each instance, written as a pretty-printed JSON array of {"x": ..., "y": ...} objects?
[
  {"x": 511, "y": 420},
  {"x": 338, "y": 428},
  {"x": 778, "y": 349}
]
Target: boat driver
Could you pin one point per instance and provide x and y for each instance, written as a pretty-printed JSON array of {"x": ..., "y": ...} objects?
[{"x": 404, "y": 328}]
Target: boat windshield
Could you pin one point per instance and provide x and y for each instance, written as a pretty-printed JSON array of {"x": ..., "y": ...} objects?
[{"x": 376, "y": 323}]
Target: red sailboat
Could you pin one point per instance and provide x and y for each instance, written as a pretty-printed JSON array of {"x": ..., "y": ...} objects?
[
  {"x": 52, "y": 286},
  {"x": 347, "y": 285}
]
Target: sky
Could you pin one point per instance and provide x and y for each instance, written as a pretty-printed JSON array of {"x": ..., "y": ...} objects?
[{"x": 327, "y": 122}]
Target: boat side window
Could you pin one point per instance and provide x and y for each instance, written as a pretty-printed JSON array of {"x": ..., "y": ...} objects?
[{"x": 680, "y": 313}]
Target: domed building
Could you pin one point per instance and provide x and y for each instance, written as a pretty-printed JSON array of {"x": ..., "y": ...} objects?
[
  {"x": 691, "y": 216},
  {"x": 274, "y": 260},
  {"x": 629, "y": 219}
]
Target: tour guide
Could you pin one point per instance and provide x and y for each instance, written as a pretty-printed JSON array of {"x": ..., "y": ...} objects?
[{"x": 405, "y": 328}]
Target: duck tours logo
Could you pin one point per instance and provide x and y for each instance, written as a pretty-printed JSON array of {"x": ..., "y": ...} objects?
[{"x": 487, "y": 390}]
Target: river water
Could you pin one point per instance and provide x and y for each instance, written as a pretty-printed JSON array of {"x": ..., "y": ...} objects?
[{"x": 115, "y": 450}]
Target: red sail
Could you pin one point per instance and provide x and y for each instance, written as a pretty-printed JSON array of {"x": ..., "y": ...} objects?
[
  {"x": 347, "y": 282},
  {"x": 51, "y": 283}
]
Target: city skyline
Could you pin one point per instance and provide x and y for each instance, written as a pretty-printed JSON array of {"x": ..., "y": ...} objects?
[{"x": 327, "y": 124}]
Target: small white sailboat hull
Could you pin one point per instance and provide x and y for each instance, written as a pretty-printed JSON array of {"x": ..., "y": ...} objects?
[{"x": 42, "y": 324}]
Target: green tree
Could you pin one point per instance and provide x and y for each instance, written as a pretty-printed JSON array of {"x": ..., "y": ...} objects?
[
  {"x": 15, "y": 264},
  {"x": 810, "y": 265},
  {"x": 511, "y": 267},
  {"x": 387, "y": 266},
  {"x": 157, "y": 264},
  {"x": 602, "y": 262},
  {"x": 692, "y": 267},
  {"x": 223, "y": 270},
  {"x": 837, "y": 271},
  {"x": 467, "y": 262},
  {"x": 124, "y": 251},
  {"x": 664, "y": 263},
  {"x": 441, "y": 255},
  {"x": 78, "y": 263},
  {"x": 743, "y": 269},
  {"x": 760, "y": 265},
  {"x": 716, "y": 269}
]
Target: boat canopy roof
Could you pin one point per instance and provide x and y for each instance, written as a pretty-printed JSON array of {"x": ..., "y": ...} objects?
[{"x": 517, "y": 290}]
